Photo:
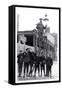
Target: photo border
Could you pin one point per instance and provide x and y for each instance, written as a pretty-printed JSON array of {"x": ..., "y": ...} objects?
[{"x": 39, "y": 7}]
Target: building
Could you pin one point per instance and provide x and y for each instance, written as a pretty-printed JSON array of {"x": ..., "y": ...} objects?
[
  {"x": 38, "y": 40},
  {"x": 32, "y": 42}
]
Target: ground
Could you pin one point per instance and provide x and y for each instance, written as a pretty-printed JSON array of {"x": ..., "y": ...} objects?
[{"x": 55, "y": 74}]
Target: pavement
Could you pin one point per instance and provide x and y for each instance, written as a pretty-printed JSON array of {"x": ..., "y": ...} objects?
[{"x": 54, "y": 76}]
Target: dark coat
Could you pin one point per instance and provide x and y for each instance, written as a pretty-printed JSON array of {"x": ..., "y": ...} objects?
[
  {"x": 42, "y": 60},
  {"x": 31, "y": 54},
  {"x": 37, "y": 60},
  {"x": 26, "y": 58},
  {"x": 20, "y": 58},
  {"x": 49, "y": 61}
]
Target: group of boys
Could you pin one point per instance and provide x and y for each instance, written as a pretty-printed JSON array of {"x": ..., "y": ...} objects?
[{"x": 30, "y": 60}]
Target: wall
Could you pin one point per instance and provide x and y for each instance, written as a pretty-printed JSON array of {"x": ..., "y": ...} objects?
[{"x": 4, "y": 44}]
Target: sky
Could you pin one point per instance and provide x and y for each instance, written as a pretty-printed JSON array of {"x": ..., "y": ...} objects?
[{"x": 29, "y": 17}]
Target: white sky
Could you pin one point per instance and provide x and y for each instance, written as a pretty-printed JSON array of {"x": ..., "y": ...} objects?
[{"x": 29, "y": 17}]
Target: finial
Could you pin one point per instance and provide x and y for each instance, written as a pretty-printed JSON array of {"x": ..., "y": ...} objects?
[
  {"x": 46, "y": 15},
  {"x": 46, "y": 19}
]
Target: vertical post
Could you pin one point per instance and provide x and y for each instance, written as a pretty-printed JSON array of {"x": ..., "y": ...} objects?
[
  {"x": 17, "y": 22},
  {"x": 36, "y": 45},
  {"x": 34, "y": 42}
]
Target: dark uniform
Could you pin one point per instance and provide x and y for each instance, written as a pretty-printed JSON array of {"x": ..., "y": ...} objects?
[
  {"x": 26, "y": 60},
  {"x": 49, "y": 63},
  {"x": 42, "y": 64},
  {"x": 37, "y": 62},
  {"x": 31, "y": 54},
  {"x": 20, "y": 63}
]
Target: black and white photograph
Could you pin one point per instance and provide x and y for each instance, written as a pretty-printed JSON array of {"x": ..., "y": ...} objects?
[
  {"x": 34, "y": 44},
  {"x": 37, "y": 45}
]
